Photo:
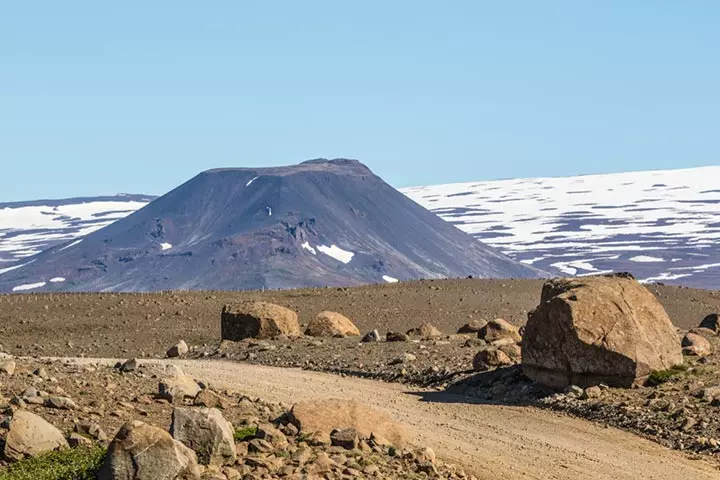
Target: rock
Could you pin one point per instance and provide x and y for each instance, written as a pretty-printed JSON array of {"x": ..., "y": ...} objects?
[
  {"x": 573, "y": 391},
  {"x": 77, "y": 440},
  {"x": 178, "y": 350},
  {"x": 599, "y": 329},
  {"x": 258, "y": 320},
  {"x": 143, "y": 452},
  {"x": 42, "y": 373},
  {"x": 473, "y": 326},
  {"x": 710, "y": 393},
  {"x": 61, "y": 403},
  {"x": 711, "y": 322},
  {"x": 208, "y": 398},
  {"x": 396, "y": 337},
  {"x": 499, "y": 329},
  {"x": 258, "y": 445},
  {"x": 129, "y": 365},
  {"x": 513, "y": 351},
  {"x": 331, "y": 324},
  {"x": 703, "y": 332},
  {"x": 325, "y": 415},
  {"x": 272, "y": 435},
  {"x": 346, "y": 438},
  {"x": 490, "y": 358},
  {"x": 206, "y": 432},
  {"x": 592, "y": 392},
  {"x": 426, "y": 331},
  {"x": 425, "y": 455},
  {"x": 7, "y": 367},
  {"x": 92, "y": 430},
  {"x": 30, "y": 435},
  {"x": 177, "y": 386},
  {"x": 694, "y": 344},
  {"x": 371, "y": 336},
  {"x": 406, "y": 357}
]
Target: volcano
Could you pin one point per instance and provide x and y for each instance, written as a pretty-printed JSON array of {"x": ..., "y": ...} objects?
[{"x": 319, "y": 223}]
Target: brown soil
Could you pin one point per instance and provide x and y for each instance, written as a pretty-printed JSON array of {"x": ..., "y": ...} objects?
[{"x": 143, "y": 325}]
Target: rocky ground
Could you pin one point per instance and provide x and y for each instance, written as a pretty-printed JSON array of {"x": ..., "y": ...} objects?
[
  {"x": 143, "y": 325},
  {"x": 89, "y": 404}
]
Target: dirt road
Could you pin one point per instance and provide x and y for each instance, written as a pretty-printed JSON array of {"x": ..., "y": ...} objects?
[{"x": 493, "y": 442}]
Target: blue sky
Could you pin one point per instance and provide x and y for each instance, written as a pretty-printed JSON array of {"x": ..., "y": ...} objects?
[{"x": 106, "y": 97}]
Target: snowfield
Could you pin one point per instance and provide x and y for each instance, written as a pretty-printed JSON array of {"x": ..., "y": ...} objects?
[{"x": 660, "y": 225}]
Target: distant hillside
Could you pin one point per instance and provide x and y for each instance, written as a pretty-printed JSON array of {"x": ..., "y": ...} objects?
[
  {"x": 314, "y": 224},
  {"x": 663, "y": 226}
]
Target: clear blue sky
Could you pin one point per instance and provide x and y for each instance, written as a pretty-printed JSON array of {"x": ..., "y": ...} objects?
[{"x": 101, "y": 97}]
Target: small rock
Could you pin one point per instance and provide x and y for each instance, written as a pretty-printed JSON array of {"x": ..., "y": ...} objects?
[
  {"x": 129, "y": 365},
  {"x": 592, "y": 392},
  {"x": 60, "y": 403},
  {"x": 178, "y": 350},
  {"x": 371, "y": 336},
  {"x": 396, "y": 337},
  {"x": 7, "y": 367},
  {"x": 346, "y": 438}
]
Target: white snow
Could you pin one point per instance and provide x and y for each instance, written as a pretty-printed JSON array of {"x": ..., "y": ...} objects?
[
  {"x": 28, "y": 286},
  {"x": 307, "y": 246},
  {"x": 250, "y": 182},
  {"x": 70, "y": 245},
  {"x": 665, "y": 276},
  {"x": 269, "y": 211},
  {"x": 15, "y": 267},
  {"x": 57, "y": 279},
  {"x": 337, "y": 253},
  {"x": 390, "y": 279},
  {"x": 645, "y": 259},
  {"x": 165, "y": 246}
]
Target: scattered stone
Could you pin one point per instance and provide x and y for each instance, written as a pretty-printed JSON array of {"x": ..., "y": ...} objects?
[
  {"x": 406, "y": 357},
  {"x": 7, "y": 367},
  {"x": 77, "y": 440},
  {"x": 31, "y": 435},
  {"x": 474, "y": 326},
  {"x": 91, "y": 430},
  {"x": 371, "y": 336},
  {"x": 514, "y": 351},
  {"x": 324, "y": 416},
  {"x": 592, "y": 392},
  {"x": 499, "y": 329},
  {"x": 143, "y": 452},
  {"x": 490, "y": 358},
  {"x": 346, "y": 438},
  {"x": 258, "y": 320},
  {"x": 272, "y": 435},
  {"x": 178, "y": 350},
  {"x": 206, "y": 432},
  {"x": 129, "y": 365},
  {"x": 694, "y": 344},
  {"x": 60, "y": 403},
  {"x": 567, "y": 342},
  {"x": 396, "y": 337},
  {"x": 331, "y": 324},
  {"x": 426, "y": 331},
  {"x": 208, "y": 398},
  {"x": 177, "y": 386},
  {"x": 41, "y": 373},
  {"x": 711, "y": 322}
]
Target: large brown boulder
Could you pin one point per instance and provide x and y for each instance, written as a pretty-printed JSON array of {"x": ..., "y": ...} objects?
[
  {"x": 331, "y": 324},
  {"x": 142, "y": 452},
  {"x": 600, "y": 329},
  {"x": 490, "y": 358},
  {"x": 206, "y": 432},
  {"x": 318, "y": 418},
  {"x": 30, "y": 435},
  {"x": 258, "y": 320}
]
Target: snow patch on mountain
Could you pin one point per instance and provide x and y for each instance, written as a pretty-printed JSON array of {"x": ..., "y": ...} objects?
[{"x": 337, "y": 253}]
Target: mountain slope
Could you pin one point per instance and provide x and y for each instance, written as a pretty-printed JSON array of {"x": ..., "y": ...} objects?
[
  {"x": 314, "y": 224},
  {"x": 661, "y": 225}
]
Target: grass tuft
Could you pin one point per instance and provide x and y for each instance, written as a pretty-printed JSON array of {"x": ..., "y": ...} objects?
[
  {"x": 80, "y": 463},
  {"x": 242, "y": 434},
  {"x": 661, "y": 376}
]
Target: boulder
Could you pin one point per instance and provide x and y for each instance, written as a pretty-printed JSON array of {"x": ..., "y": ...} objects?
[
  {"x": 258, "y": 320},
  {"x": 513, "y": 351},
  {"x": 331, "y": 324},
  {"x": 321, "y": 417},
  {"x": 7, "y": 366},
  {"x": 208, "y": 398},
  {"x": 346, "y": 438},
  {"x": 178, "y": 350},
  {"x": 30, "y": 435},
  {"x": 694, "y": 344},
  {"x": 206, "y": 432},
  {"x": 473, "y": 326},
  {"x": 176, "y": 386},
  {"x": 711, "y": 322},
  {"x": 396, "y": 337},
  {"x": 499, "y": 329},
  {"x": 490, "y": 358},
  {"x": 426, "y": 331},
  {"x": 143, "y": 452},
  {"x": 598, "y": 329}
]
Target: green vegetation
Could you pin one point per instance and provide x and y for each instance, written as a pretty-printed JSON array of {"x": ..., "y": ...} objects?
[
  {"x": 661, "y": 376},
  {"x": 242, "y": 434},
  {"x": 80, "y": 463}
]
